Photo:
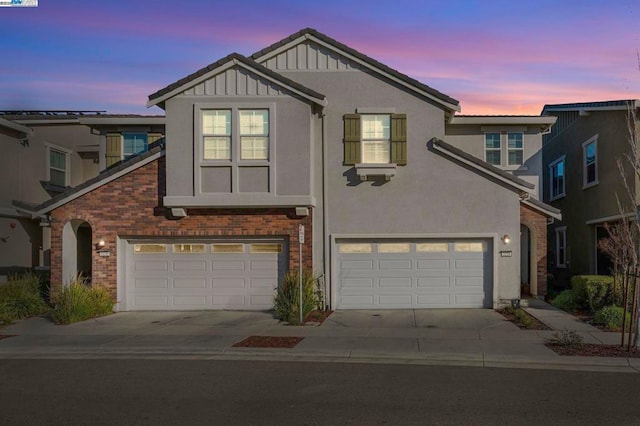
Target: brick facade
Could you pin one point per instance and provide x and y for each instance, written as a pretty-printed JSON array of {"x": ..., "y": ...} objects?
[
  {"x": 131, "y": 207},
  {"x": 537, "y": 224}
]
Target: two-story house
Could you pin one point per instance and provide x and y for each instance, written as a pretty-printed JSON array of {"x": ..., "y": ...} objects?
[
  {"x": 44, "y": 154},
  {"x": 310, "y": 152},
  {"x": 581, "y": 177}
]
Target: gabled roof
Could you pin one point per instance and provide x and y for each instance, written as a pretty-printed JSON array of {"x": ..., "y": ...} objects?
[
  {"x": 156, "y": 150},
  {"x": 480, "y": 165},
  {"x": 233, "y": 59},
  {"x": 543, "y": 208},
  {"x": 380, "y": 68},
  {"x": 593, "y": 106}
]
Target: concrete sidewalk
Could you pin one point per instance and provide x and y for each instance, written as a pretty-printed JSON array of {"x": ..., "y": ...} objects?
[{"x": 467, "y": 337}]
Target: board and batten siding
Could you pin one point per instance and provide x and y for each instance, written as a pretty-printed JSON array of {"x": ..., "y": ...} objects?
[
  {"x": 235, "y": 82},
  {"x": 309, "y": 56}
]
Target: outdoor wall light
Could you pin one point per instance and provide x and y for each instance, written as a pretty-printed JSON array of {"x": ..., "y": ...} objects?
[
  {"x": 506, "y": 239},
  {"x": 101, "y": 244}
]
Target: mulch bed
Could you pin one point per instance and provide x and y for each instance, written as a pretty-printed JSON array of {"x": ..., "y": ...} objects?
[
  {"x": 591, "y": 349},
  {"x": 268, "y": 342},
  {"x": 317, "y": 317},
  {"x": 535, "y": 325},
  {"x": 6, "y": 336}
]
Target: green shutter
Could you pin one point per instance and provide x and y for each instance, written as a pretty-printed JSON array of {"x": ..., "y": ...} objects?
[
  {"x": 153, "y": 137},
  {"x": 351, "y": 139},
  {"x": 399, "y": 139},
  {"x": 114, "y": 148}
]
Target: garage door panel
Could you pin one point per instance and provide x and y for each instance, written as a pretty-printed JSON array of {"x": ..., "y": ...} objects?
[
  {"x": 262, "y": 300},
  {"x": 427, "y": 273},
  {"x": 151, "y": 265},
  {"x": 151, "y": 283},
  {"x": 189, "y": 283},
  {"x": 396, "y": 282},
  {"x": 228, "y": 282},
  {"x": 395, "y": 264},
  {"x": 433, "y": 264},
  {"x": 442, "y": 282},
  {"x": 222, "y": 265},
  {"x": 155, "y": 302},
  {"x": 185, "y": 301},
  {"x": 357, "y": 282},
  {"x": 185, "y": 265},
  {"x": 268, "y": 265},
  {"x": 269, "y": 283}
]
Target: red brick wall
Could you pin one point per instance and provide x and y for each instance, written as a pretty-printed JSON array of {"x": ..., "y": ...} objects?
[
  {"x": 537, "y": 224},
  {"x": 131, "y": 206}
]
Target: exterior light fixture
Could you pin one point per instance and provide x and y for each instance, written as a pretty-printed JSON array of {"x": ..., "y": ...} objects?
[
  {"x": 506, "y": 239},
  {"x": 102, "y": 243}
]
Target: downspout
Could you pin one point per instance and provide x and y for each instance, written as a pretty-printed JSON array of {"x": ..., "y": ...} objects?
[{"x": 325, "y": 213}]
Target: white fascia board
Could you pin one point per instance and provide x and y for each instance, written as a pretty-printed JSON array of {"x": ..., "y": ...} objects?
[
  {"x": 634, "y": 102},
  {"x": 15, "y": 126},
  {"x": 617, "y": 217},
  {"x": 225, "y": 67},
  {"x": 92, "y": 121},
  {"x": 505, "y": 120},
  {"x": 544, "y": 211},
  {"x": 281, "y": 49},
  {"x": 515, "y": 185},
  {"x": 96, "y": 185}
]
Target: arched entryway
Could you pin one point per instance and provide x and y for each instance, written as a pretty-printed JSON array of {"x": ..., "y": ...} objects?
[{"x": 77, "y": 250}]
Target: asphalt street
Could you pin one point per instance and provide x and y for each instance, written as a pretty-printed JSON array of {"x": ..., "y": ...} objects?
[{"x": 193, "y": 392}]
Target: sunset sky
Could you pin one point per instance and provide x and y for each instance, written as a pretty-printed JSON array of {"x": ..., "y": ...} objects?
[{"x": 495, "y": 57}]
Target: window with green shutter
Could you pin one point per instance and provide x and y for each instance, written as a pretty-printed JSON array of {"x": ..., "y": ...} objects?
[{"x": 375, "y": 139}]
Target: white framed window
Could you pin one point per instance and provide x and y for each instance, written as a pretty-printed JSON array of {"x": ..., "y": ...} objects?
[
  {"x": 58, "y": 165},
  {"x": 590, "y": 163},
  {"x": 557, "y": 174},
  {"x": 493, "y": 148},
  {"x": 376, "y": 138},
  {"x": 216, "y": 134},
  {"x": 561, "y": 247},
  {"x": 254, "y": 134},
  {"x": 515, "y": 148}
]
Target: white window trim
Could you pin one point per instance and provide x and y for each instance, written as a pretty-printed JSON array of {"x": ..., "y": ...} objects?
[
  {"x": 513, "y": 149},
  {"x": 564, "y": 186},
  {"x": 484, "y": 143},
  {"x": 561, "y": 230},
  {"x": 364, "y": 141},
  {"x": 586, "y": 184},
  {"x": 67, "y": 153}
]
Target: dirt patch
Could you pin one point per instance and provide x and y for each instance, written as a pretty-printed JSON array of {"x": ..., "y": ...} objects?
[
  {"x": 591, "y": 349},
  {"x": 6, "y": 336},
  {"x": 530, "y": 323},
  {"x": 317, "y": 317},
  {"x": 268, "y": 342}
]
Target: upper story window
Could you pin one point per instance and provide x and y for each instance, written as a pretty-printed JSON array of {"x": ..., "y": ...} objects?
[
  {"x": 590, "y": 162},
  {"x": 499, "y": 147},
  {"x": 493, "y": 149},
  {"x": 58, "y": 167},
  {"x": 216, "y": 134},
  {"x": 557, "y": 175},
  {"x": 134, "y": 143},
  {"x": 376, "y": 138},
  {"x": 254, "y": 134},
  {"x": 515, "y": 147}
]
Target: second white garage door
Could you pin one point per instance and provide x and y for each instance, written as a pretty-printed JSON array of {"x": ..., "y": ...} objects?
[
  {"x": 181, "y": 275},
  {"x": 414, "y": 274}
]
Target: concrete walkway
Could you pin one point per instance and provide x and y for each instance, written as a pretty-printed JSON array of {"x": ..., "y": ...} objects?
[{"x": 467, "y": 337}]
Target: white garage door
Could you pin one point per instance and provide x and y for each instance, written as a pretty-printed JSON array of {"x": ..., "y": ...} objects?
[
  {"x": 414, "y": 274},
  {"x": 203, "y": 275}
]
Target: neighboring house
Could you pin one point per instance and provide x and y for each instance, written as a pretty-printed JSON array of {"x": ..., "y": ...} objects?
[
  {"x": 399, "y": 207},
  {"x": 44, "y": 154},
  {"x": 581, "y": 177}
]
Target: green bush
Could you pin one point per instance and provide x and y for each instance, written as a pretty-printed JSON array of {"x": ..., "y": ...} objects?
[
  {"x": 21, "y": 298},
  {"x": 592, "y": 292},
  {"x": 610, "y": 317},
  {"x": 565, "y": 301},
  {"x": 79, "y": 302},
  {"x": 287, "y": 298}
]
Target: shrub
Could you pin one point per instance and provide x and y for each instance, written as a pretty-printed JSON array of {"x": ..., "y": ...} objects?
[
  {"x": 566, "y": 338},
  {"x": 565, "y": 301},
  {"x": 610, "y": 317},
  {"x": 80, "y": 302},
  {"x": 287, "y": 298},
  {"x": 592, "y": 291},
  {"x": 21, "y": 298}
]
